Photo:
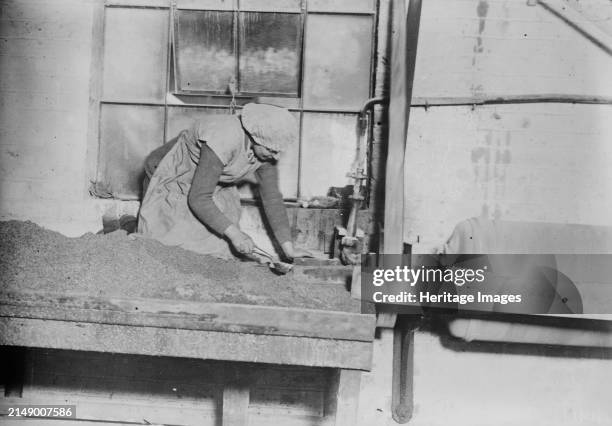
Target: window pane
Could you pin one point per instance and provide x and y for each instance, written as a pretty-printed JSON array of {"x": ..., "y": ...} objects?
[
  {"x": 337, "y": 61},
  {"x": 341, "y": 6},
  {"x": 288, "y": 166},
  {"x": 128, "y": 133},
  {"x": 271, "y": 5},
  {"x": 206, "y": 4},
  {"x": 135, "y": 54},
  {"x": 205, "y": 50},
  {"x": 269, "y": 52},
  {"x": 153, "y": 3},
  {"x": 181, "y": 118},
  {"x": 328, "y": 151}
]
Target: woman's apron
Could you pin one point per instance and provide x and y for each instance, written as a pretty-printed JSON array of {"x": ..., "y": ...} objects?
[{"x": 165, "y": 214}]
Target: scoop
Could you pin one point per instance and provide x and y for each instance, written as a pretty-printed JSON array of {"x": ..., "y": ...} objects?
[{"x": 273, "y": 262}]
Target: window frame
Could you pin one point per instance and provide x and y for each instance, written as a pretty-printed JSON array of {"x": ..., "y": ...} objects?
[
  {"x": 236, "y": 12},
  {"x": 211, "y": 100}
]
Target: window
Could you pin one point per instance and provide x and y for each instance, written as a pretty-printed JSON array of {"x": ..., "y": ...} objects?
[
  {"x": 164, "y": 63},
  {"x": 241, "y": 52},
  {"x": 205, "y": 54},
  {"x": 270, "y": 52}
]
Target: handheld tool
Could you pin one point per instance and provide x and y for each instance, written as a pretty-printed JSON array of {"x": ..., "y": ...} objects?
[{"x": 273, "y": 262}]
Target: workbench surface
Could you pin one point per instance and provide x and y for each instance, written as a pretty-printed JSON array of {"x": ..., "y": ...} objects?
[{"x": 113, "y": 293}]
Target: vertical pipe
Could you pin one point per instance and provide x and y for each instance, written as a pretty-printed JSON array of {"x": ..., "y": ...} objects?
[{"x": 379, "y": 129}]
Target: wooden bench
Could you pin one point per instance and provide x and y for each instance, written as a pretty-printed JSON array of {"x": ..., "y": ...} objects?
[{"x": 229, "y": 332}]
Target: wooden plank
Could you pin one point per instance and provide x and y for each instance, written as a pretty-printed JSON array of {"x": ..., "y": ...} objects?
[
  {"x": 120, "y": 409},
  {"x": 344, "y": 397},
  {"x": 48, "y": 368},
  {"x": 402, "y": 390},
  {"x": 406, "y": 20},
  {"x": 185, "y": 343},
  {"x": 287, "y": 401},
  {"x": 95, "y": 91},
  {"x": 386, "y": 320},
  {"x": 403, "y": 54},
  {"x": 268, "y": 420},
  {"x": 235, "y": 410},
  {"x": 189, "y": 315},
  {"x": 406, "y": 16},
  {"x": 116, "y": 387},
  {"x": 356, "y": 283}
]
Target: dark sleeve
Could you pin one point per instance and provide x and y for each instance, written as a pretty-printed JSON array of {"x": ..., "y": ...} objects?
[
  {"x": 272, "y": 199},
  {"x": 203, "y": 186}
]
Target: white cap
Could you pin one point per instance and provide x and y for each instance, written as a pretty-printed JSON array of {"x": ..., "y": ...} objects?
[{"x": 271, "y": 126}]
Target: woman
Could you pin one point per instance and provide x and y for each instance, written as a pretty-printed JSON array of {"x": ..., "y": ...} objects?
[{"x": 192, "y": 201}]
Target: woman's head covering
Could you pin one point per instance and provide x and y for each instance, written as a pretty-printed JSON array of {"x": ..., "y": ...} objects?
[{"x": 271, "y": 126}]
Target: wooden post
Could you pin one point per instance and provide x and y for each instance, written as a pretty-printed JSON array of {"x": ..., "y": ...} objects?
[
  {"x": 356, "y": 283},
  {"x": 343, "y": 398},
  {"x": 403, "y": 55},
  {"x": 402, "y": 403},
  {"x": 235, "y": 410},
  {"x": 406, "y": 19},
  {"x": 406, "y": 15},
  {"x": 95, "y": 93}
]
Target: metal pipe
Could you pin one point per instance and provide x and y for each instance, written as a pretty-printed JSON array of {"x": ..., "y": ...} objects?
[
  {"x": 511, "y": 99},
  {"x": 371, "y": 102},
  {"x": 351, "y": 242},
  {"x": 365, "y": 108},
  {"x": 471, "y": 329}
]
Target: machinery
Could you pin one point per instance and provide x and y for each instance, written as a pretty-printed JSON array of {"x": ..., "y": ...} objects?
[{"x": 350, "y": 239}]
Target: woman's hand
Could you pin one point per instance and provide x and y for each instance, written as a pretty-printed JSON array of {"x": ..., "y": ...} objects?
[
  {"x": 241, "y": 241},
  {"x": 292, "y": 252}
]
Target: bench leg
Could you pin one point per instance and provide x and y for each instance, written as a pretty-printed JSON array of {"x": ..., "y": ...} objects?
[
  {"x": 235, "y": 405},
  {"x": 344, "y": 397}
]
